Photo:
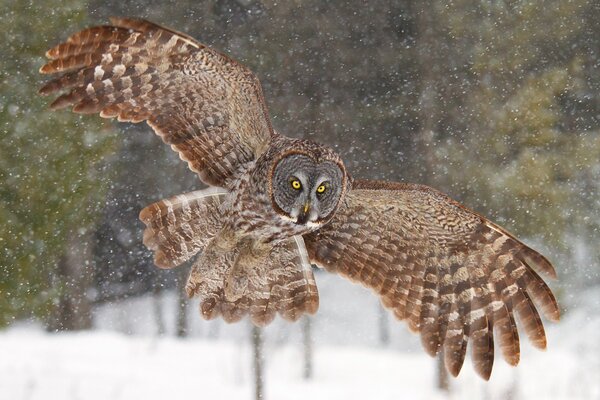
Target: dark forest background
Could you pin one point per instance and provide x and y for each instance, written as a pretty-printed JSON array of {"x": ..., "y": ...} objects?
[{"x": 495, "y": 102}]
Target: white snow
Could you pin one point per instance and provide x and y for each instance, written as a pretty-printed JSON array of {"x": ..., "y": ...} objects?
[{"x": 124, "y": 359}]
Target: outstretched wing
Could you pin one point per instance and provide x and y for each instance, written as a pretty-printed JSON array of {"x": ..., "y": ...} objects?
[
  {"x": 209, "y": 108},
  {"x": 451, "y": 273}
]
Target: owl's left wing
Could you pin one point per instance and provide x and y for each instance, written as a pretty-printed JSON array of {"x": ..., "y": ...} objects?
[
  {"x": 206, "y": 106},
  {"x": 451, "y": 273}
]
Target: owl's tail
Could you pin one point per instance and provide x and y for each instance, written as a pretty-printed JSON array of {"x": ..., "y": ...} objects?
[
  {"x": 180, "y": 227},
  {"x": 282, "y": 284}
]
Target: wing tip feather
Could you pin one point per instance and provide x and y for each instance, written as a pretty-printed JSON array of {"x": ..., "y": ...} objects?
[
  {"x": 484, "y": 371},
  {"x": 61, "y": 102},
  {"x": 512, "y": 360},
  {"x": 47, "y": 89}
]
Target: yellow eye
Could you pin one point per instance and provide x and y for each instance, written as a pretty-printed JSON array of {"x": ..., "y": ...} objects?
[
  {"x": 296, "y": 184},
  {"x": 321, "y": 189}
]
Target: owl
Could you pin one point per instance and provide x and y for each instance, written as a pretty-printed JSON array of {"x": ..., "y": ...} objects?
[{"x": 279, "y": 205}]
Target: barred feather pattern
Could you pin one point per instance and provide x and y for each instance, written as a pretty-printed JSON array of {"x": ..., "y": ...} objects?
[
  {"x": 283, "y": 283},
  {"x": 450, "y": 273},
  {"x": 208, "y": 107},
  {"x": 179, "y": 227}
]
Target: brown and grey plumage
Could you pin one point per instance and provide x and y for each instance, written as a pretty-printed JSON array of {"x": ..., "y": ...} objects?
[{"x": 281, "y": 204}]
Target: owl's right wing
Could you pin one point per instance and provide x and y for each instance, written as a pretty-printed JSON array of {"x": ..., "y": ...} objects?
[
  {"x": 208, "y": 107},
  {"x": 451, "y": 273}
]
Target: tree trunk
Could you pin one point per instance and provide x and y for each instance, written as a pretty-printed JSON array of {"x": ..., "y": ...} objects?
[
  {"x": 257, "y": 345},
  {"x": 158, "y": 307},
  {"x": 308, "y": 347},
  {"x": 72, "y": 309},
  {"x": 182, "y": 304},
  {"x": 384, "y": 330}
]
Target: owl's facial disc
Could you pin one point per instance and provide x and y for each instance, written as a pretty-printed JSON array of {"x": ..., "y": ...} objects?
[{"x": 305, "y": 191}]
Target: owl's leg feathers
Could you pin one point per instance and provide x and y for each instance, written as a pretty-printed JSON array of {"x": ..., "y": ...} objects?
[
  {"x": 214, "y": 260},
  {"x": 254, "y": 279},
  {"x": 251, "y": 255},
  {"x": 199, "y": 273}
]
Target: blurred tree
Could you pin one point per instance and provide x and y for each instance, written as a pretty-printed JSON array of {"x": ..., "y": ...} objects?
[
  {"x": 526, "y": 125},
  {"x": 51, "y": 179},
  {"x": 307, "y": 344},
  {"x": 257, "y": 362},
  {"x": 181, "y": 328}
]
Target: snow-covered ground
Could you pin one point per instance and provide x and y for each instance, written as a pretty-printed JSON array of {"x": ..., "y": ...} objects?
[{"x": 124, "y": 359}]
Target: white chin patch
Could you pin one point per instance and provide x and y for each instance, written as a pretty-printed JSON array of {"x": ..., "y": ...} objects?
[
  {"x": 286, "y": 218},
  {"x": 311, "y": 224}
]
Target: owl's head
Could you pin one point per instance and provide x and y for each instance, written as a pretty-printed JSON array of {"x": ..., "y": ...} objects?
[{"x": 307, "y": 188}]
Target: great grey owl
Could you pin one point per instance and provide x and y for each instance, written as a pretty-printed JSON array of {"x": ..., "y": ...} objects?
[{"x": 279, "y": 205}]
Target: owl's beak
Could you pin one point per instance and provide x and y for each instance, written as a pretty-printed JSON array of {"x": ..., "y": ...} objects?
[
  {"x": 304, "y": 214},
  {"x": 307, "y": 207}
]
